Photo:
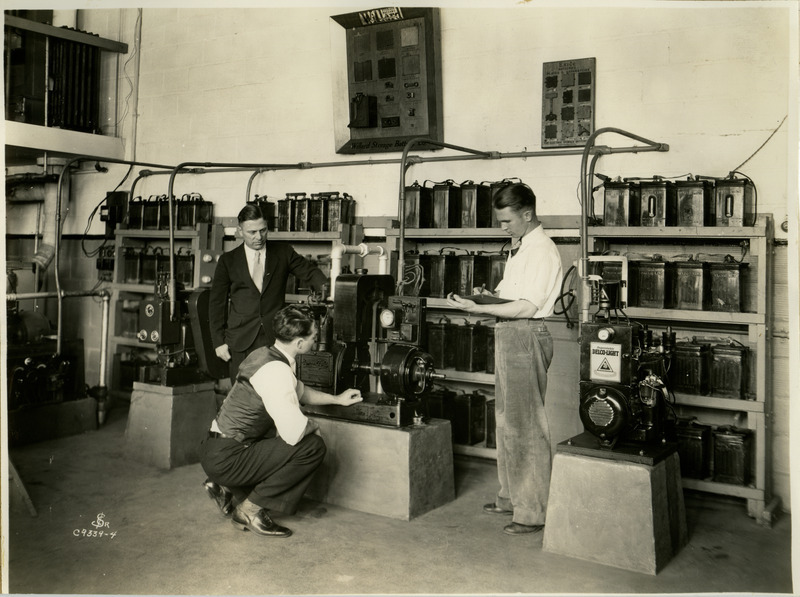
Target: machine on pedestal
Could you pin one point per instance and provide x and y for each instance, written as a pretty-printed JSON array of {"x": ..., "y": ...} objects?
[
  {"x": 369, "y": 340},
  {"x": 624, "y": 398},
  {"x": 182, "y": 342}
]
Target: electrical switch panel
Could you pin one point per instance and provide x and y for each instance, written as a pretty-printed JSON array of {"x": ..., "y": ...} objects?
[{"x": 393, "y": 79}]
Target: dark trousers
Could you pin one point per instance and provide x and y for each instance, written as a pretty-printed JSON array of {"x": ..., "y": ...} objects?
[
  {"x": 237, "y": 357},
  {"x": 269, "y": 472}
]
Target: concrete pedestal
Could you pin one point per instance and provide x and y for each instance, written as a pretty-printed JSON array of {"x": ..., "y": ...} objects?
[
  {"x": 166, "y": 424},
  {"x": 626, "y": 513},
  {"x": 395, "y": 472}
]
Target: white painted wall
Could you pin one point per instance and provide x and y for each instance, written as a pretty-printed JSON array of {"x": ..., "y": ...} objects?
[
  {"x": 711, "y": 79},
  {"x": 254, "y": 85}
]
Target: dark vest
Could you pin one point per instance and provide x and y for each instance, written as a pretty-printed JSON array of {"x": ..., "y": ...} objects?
[{"x": 242, "y": 415}]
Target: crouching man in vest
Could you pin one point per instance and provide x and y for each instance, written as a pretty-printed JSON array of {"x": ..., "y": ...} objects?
[{"x": 261, "y": 448}]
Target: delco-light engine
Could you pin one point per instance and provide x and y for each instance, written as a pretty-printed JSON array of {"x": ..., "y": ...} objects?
[{"x": 623, "y": 396}]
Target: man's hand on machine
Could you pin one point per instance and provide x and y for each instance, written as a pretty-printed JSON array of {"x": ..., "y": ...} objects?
[
  {"x": 349, "y": 397},
  {"x": 223, "y": 352}
]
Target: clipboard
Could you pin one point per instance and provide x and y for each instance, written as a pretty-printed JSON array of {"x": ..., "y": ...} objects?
[{"x": 486, "y": 299}]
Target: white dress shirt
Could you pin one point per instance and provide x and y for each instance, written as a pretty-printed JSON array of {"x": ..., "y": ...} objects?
[
  {"x": 250, "y": 254},
  {"x": 534, "y": 273},
  {"x": 280, "y": 391}
]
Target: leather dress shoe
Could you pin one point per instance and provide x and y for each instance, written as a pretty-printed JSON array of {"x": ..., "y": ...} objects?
[
  {"x": 221, "y": 495},
  {"x": 493, "y": 508},
  {"x": 259, "y": 522},
  {"x": 516, "y": 528}
]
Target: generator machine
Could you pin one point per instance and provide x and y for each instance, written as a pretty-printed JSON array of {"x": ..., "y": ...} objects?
[
  {"x": 624, "y": 395},
  {"x": 370, "y": 339}
]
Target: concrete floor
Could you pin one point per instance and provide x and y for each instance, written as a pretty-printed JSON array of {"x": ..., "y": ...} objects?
[{"x": 170, "y": 539}]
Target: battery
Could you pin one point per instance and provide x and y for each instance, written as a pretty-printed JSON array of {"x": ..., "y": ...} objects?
[
  {"x": 612, "y": 276},
  {"x": 151, "y": 258},
  {"x": 418, "y": 206},
  {"x": 135, "y": 214},
  {"x": 727, "y": 287},
  {"x": 150, "y": 213},
  {"x": 184, "y": 267},
  {"x": 621, "y": 203},
  {"x": 300, "y": 211},
  {"x": 317, "y": 222},
  {"x": 692, "y": 285},
  {"x": 205, "y": 212},
  {"x": 658, "y": 203},
  {"x": 337, "y": 211},
  {"x": 285, "y": 215},
  {"x": 732, "y": 455},
  {"x": 441, "y": 273},
  {"x": 129, "y": 318},
  {"x": 186, "y": 208},
  {"x": 333, "y": 219},
  {"x": 694, "y": 449},
  {"x": 470, "y": 347},
  {"x": 441, "y": 336},
  {"x": 690, "y": 370},
  {"x": 498, "y": 269},
  {"x": 476, "y": 205},
  {"x": 735, "y": 203},
  {"x": 491, "y": 425},
  {"x": 695, "y": 202},
  {"x": 473, "y": 271},
  {"x": 469, "y": 419},
  {"x": 729, "y": 371},
  {"x": 438, "y": 403},
  {"x": 490, "y": 349},
  {"x": 413, "y": 282},
  {"x": 654, "y": 284},
  {"x": 446, "y": 205},
  {"x": 131, "y": 265}
]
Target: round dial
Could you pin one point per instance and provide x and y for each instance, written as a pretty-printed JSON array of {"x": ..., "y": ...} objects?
[
  {"x": 605, "y": 334},
  {"x": 387, "y": 318}
]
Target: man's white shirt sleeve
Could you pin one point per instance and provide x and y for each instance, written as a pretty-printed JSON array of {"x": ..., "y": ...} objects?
[{"x": 278, "y": 387}]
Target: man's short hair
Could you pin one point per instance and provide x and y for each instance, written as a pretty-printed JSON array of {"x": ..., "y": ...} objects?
[
  {"x": 249, "y": 212},
  {"x": 294, "y": 321},
  {"x": 517, "y": 195}
]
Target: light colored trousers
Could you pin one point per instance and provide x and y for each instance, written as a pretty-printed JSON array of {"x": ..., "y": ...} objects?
[{"x": 523, "y": 351}]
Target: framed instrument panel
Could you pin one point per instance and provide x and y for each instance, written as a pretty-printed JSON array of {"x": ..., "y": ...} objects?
[
  {"x": 393, "y": 87},
  {"x": 568, "y": 93}
]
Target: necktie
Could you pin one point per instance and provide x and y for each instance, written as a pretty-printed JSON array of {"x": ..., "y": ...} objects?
[{"x": 258, "y": 272}]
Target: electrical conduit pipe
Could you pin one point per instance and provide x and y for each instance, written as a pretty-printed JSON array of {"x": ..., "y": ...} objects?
[{"x": 362, "y": 250}]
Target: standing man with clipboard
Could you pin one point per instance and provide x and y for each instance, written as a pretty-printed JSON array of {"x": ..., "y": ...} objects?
[{"x": 523, "y": 352}]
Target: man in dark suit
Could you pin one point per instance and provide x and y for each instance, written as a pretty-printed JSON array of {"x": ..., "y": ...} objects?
[{"x": 249, "y": 287}]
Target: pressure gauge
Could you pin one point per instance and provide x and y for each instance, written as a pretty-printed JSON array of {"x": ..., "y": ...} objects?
[
  {"x": 605, "y": 334},
  {"x": 387, "y": 318}
]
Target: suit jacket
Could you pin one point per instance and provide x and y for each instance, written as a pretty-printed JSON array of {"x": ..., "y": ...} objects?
[{"x": 236, "y": 310}]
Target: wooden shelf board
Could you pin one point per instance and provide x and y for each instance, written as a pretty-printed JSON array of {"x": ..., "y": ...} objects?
[
  {"x": 154, "y": 234},
  {"x": 696, "y": 316},
  {"x": 62, "y": 142},
  {"x": 720, "y": 403},
  {"x": 741, "y": 491},
  {"x": 689, "y": 232}
]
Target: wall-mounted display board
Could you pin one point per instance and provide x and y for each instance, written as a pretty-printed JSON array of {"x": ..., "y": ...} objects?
[
  {"x": 568, "y": 92},
  {"x": 392, "y": 91}
]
